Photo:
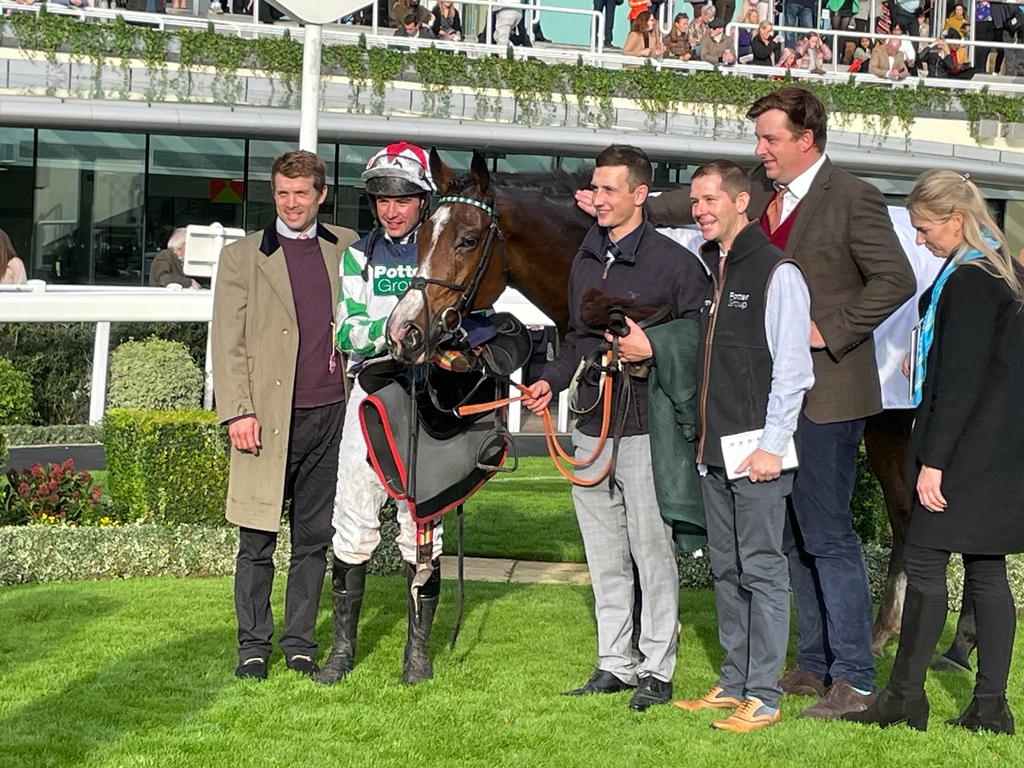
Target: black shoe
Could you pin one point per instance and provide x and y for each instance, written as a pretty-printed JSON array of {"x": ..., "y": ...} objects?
[
  {"x": 988, "y": 714},
  {"x": 538, "y": 36},
  {"x": 253, "y": 669},
  {"x": 600, "y": 682},
  {"x": 649, "y": 692},
  {"x": 302, "y": 664},
  {"x": 891, "y": 708}
]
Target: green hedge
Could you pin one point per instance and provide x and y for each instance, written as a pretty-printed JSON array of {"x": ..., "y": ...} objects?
[
  {"x": 15, "y": 393},
  {"x": 54, "y": 434},
  {"x": 35, "y": 553},
  {"x": 3, "y": 447},
  {"x": 154, "y": 373},
  {"x": 166, "y": 466}
]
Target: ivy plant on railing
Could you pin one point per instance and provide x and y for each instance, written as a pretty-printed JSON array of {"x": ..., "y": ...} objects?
[{"x": 539, "y": 90}]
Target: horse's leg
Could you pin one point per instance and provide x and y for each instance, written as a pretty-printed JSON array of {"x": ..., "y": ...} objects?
[
  {"x": 957, "y": 656},
  {"x": 886, "y": 438}
]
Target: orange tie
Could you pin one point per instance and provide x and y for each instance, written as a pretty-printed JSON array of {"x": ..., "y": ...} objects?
[{"x": 774, "y": 210}]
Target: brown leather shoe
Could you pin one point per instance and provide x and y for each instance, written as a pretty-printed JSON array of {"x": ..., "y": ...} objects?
[
  {"x": 800, "y": 682},
  {"x": 716, "y": 698},
  {"x": 752, "y": 715},
  {"x": 842, "y": 698}
]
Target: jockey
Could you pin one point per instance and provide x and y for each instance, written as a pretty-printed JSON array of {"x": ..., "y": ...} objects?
[{"x": 375, "y": 272}]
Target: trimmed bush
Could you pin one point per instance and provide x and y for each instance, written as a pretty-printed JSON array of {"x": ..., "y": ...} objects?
[
  {"x": 155, "y": 373},
  {"x": 58, "y": 360},
  {"x": 15, "y": 394},
  {"x": 34, "y": 553},
  {"x": 54, "y": 434},
  {"x": 166, "y": 466}
]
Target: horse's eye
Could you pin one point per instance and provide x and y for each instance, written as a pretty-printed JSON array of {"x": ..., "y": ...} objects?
[{"x": 468, "y": 242}]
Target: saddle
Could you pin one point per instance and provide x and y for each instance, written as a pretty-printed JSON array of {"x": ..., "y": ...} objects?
[{"x": 421, "y": 449}]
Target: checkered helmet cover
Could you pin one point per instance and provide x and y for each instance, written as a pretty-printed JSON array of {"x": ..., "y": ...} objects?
[{"x": 398, "y": 170}]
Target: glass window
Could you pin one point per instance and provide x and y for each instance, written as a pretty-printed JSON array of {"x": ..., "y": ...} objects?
[
  {"x": 16, "y": 179},
  {"x": 192, "y": 180},
  {"x": 259, "y": 202},
  {"x": 525, "y": 164},
  {"x": 89, "y": 207}
]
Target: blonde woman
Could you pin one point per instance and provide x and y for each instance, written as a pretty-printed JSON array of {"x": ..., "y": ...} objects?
[{"x": 967, "y": 445}]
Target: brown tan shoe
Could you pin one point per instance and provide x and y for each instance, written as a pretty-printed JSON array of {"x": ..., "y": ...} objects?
[
  {"x": 751, "y": 715},
  {"x": 716, "y": 698}
]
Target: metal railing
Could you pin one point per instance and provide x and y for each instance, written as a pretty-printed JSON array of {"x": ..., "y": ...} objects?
[{"x": 41, "y": 302}]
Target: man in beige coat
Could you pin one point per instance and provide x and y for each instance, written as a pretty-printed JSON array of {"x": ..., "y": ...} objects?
[
  {"x": 888, "y": 61},
  {"x": 280, "y": 390}
]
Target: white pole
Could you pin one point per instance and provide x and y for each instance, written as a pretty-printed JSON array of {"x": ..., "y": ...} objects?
[
  {"x": 256, "y": 12},
  {"x": 98, "y": 388},
  {"x": 310, "y": 109}
]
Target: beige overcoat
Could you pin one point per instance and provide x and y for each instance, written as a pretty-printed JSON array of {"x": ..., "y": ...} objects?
[{"x": 255, "y": 344}]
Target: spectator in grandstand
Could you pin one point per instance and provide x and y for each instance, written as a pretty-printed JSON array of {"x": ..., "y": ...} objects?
[
  {"x": 716, "y": 47},
  {"x": 957, "y": 20},
  {"x": 888, "y": 61},
  {"x": 402, "y": 8},
  {"x": 798, "y": 13},
  {"x": 906, "y": 48},
  {"x": 904, "y": 13},
  {"x": 863, "y": 50},
  {"x": 946, "y": 59},
  {"x": 168, "y": 264},
  {"x": 677, "y": 43},
  {"x": 744, "y": 35},
  {"x": 812, "y": 54},
  {"x": 644, "y": 38},
  {"x": 447, "y": 22},
  {"x": 607, "y": 7},
  {"x": 841, "y": 12},
  {"x": 507, "y": 19},
  {"x": 636, "y": 7},
  {"x": 766, "y": 48},
  {"x": 699, "y": 28},
  {"x": 12, "y": 269},
  {"x": 413, "y": 29}
]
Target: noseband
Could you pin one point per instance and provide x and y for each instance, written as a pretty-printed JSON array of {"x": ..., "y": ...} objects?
[{"x": 450, "y": 318}]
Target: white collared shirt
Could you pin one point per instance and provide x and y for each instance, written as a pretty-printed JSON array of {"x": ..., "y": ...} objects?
[
  {"x": 284, "y": 231},
  {"x": 798, "y": 188}
]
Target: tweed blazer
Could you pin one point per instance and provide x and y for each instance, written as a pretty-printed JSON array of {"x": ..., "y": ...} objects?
[
  {"x": 878, "y": 64},
  {"x": 856, "y": 271},
  {"x": 255, "y": 343}
]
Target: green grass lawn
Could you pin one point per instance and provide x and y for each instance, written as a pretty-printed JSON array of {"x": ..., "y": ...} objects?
[
  {"x": 138, "y": 673},
  {"x": 526, "y": 514}
]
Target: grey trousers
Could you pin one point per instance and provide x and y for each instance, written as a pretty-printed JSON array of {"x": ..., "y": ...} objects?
[
  {"x": 745, "y": 522},
  {"x": 619, "y": 527}
]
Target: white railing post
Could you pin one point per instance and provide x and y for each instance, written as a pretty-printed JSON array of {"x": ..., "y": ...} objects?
[
  {"x": 98, "y": 387},
  {"x": 310, "y": 109}
]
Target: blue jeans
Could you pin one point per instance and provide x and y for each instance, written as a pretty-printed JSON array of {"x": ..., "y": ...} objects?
[
  {"x": 826, "y": 565},
  {"x": 794, "y": 15},
  {"x": 608, "y": 7}
]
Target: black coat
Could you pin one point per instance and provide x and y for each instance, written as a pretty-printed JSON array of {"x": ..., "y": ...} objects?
[{"x": 970, "y": 423}]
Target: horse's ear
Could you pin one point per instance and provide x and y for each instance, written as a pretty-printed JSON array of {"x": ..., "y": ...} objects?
[
  {"x": 478, "y": 168},
  {"x": 441, "y": 173}
]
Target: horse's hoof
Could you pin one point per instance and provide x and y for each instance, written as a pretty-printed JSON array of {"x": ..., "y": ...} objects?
[{"x": 946, "y": 664}]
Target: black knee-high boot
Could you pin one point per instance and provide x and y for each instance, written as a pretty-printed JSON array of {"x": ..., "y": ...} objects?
[
  {"x": 347, "y": 584},
  {"x": 988, "y": 709},
  {"x": 903, "y": 700},
  {"x": 416, "y": 666}
]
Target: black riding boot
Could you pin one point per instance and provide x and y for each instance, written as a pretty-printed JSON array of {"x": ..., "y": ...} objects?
[
  {"x": 989, "y": 713},
  {"x": 347, "y": 582},
  {"x": 416, "y": 661},
  {"x": 903, "y": 700}
]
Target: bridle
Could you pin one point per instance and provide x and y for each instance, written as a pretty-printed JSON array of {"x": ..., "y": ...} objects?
[{"x": 449, "y": 319}]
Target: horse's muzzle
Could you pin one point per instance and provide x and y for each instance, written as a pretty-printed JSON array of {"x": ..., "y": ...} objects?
[{"x": 410, "y": 345}]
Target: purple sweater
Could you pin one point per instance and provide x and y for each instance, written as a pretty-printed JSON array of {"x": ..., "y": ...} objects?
[{"x": 315, "y": 383}]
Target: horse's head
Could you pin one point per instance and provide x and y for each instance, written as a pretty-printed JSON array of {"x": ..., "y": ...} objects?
[{"x": 456, "y": 272}]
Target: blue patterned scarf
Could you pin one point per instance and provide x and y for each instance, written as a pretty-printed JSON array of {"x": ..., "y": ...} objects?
[{"x": 927, "y": 328}]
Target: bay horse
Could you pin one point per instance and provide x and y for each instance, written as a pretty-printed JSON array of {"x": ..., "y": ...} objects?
[{"x": 524, "y": 231}]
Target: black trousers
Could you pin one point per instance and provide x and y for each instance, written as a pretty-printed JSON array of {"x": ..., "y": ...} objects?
[
  {"x": 985, "y": 580},
  {"x": 310, "y": 482}
]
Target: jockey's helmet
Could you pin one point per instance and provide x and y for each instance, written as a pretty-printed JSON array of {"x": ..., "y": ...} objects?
[{"x": 398, "y": 170}]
